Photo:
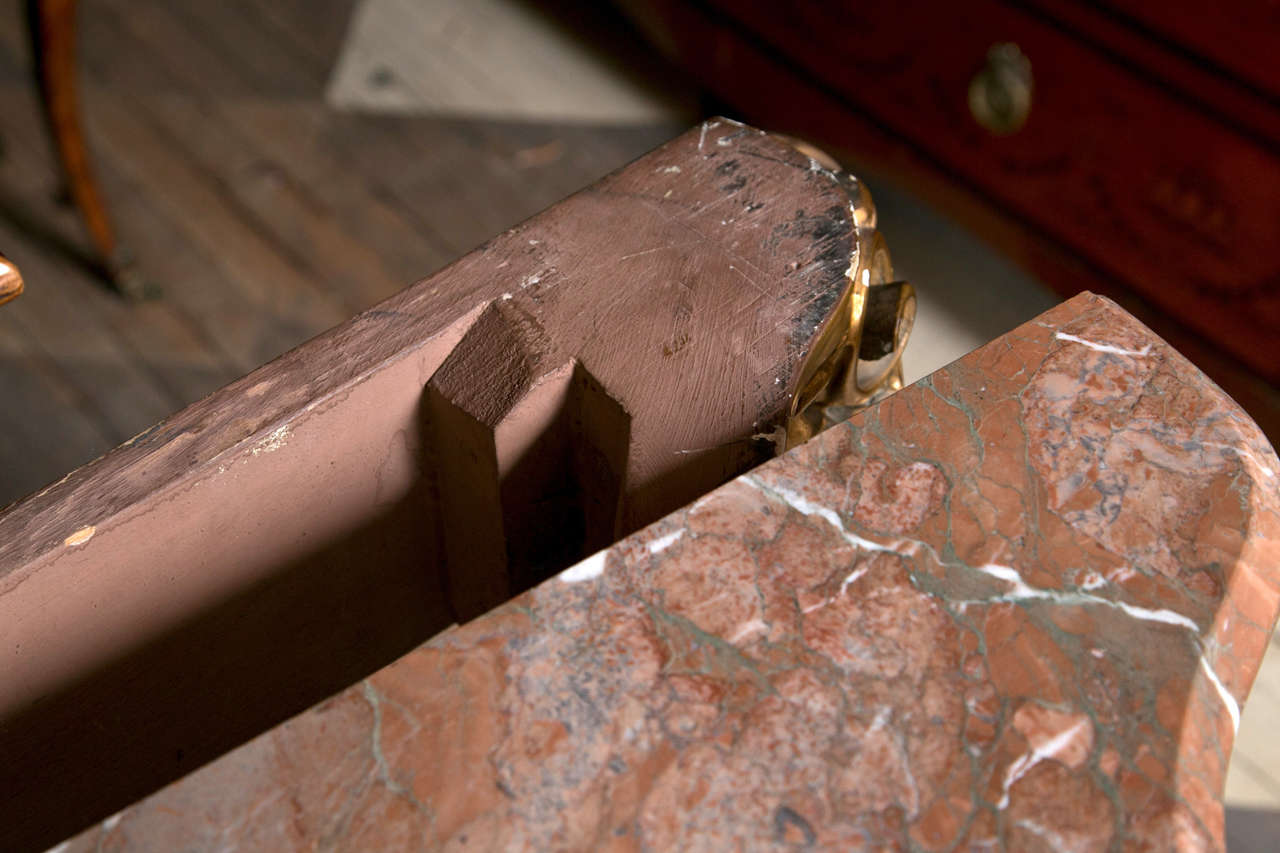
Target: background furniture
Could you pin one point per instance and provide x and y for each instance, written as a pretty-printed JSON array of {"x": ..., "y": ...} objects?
[
  {"x": 1123, "y": 147},
  {"x": 52, "y": 28}
]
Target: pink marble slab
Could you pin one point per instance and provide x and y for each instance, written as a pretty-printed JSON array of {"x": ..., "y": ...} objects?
[{"x": 1017, "y": 605}]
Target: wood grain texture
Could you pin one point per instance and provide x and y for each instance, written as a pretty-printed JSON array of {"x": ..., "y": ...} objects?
[
  {"x": 299, "y": 508},
  {"x": 275, "y": 152}
]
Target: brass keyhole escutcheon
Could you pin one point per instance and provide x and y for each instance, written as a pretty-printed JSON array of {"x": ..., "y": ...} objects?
[{"x": 1000, "y": 94}]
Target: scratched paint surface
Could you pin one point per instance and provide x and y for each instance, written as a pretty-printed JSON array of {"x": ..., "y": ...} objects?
[{"x": 1016, "y": 605}]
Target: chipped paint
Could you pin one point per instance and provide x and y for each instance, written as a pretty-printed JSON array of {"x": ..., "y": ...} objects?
[
  {"x": 273, "y": 442},
  {"x": 702, "y": 135},
  {"x": 81, "y": 536}
]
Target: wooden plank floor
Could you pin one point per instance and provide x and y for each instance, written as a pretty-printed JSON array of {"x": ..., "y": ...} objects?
[
  {"x": 266, "y": 217},
  {"x": 263, "y": 215}
]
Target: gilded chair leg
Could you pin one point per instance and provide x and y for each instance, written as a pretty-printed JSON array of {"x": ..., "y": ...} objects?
[{"x": 53, "y": 34}]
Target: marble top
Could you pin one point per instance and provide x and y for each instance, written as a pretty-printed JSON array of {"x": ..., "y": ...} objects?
[{"x": 1016, "y": 605}]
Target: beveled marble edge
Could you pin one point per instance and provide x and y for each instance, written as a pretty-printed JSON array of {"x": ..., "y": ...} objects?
[{"x": 1017, "y": 605}]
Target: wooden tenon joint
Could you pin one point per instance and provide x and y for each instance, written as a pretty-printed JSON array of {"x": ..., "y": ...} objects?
[{"x": 568, "y": 382}]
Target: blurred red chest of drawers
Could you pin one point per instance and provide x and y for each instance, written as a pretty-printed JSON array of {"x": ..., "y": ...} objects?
[{"x": 1146, "y": 165}]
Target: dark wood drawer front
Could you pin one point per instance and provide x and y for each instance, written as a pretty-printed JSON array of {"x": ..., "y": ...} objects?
[
  {"x": 1242, "y": 38},
  {"x": 1143, "y": 185}
]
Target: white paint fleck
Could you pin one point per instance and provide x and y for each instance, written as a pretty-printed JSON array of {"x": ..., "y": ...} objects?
[
  {"x": 724, "y": 141},
  {"x": 589, "y": 569},
  {"x": 277, "y": 439},
  {"x": 534, "y": 242},
  {"x": 81, "y": 536},
  {"x": 667, "y": 194},
  {"x": 1098, "y": 653},
  {"x": 670, "y": 170},
  {"x": 662, "y": 543},
  {"x": 702, "y": 137},
  {"x": 1093, "y": 580},
  {"x": 506, "y": 296},
  {"x": 1063, "y": 336},
  {"x": 697, "y": 450}
]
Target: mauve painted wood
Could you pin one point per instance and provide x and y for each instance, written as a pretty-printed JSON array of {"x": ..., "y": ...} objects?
[{"x": 275, "y": 541}]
